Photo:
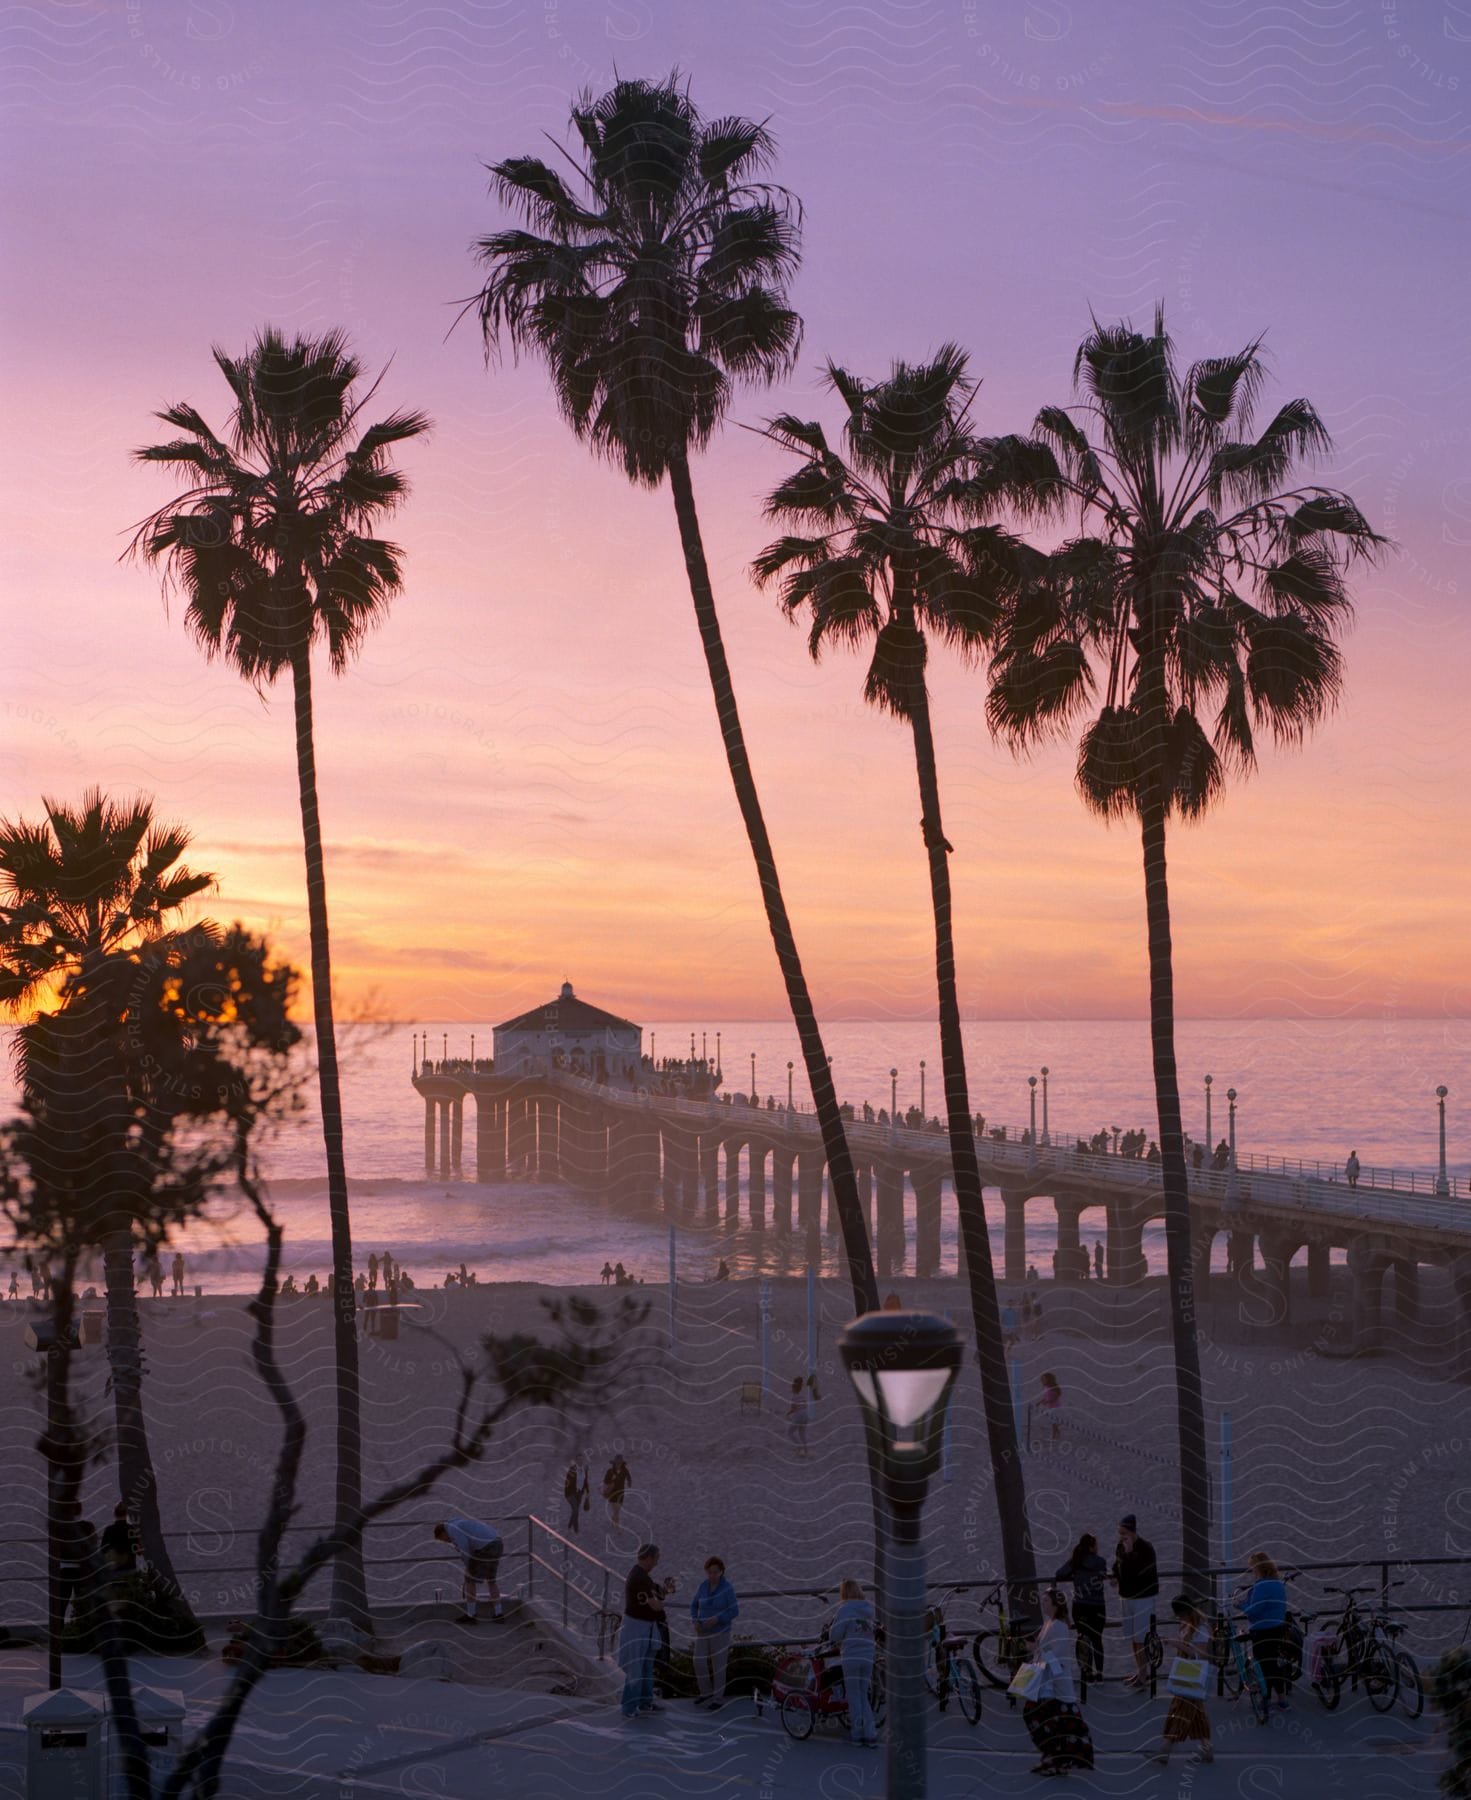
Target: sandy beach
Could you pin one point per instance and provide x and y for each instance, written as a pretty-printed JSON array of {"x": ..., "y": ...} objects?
[{"x": 1333, "y": 1460}]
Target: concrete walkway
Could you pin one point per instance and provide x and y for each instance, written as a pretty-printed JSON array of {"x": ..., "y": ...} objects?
[{"x": 329, "y": 1735}]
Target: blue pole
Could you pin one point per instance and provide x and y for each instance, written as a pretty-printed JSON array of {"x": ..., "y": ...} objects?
[
  {"x": 811, "y": 1319},
  {"x": 1226, "y": 1500},
  {"x": 1016, "y": 1397},
  {"x": 765, "y": 1302},
  {"x": 671, "y": 1287}
]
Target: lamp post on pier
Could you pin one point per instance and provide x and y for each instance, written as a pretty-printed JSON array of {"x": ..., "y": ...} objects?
[
  {"x": 1442, "y": 1181},
  {"x": 789, "y": 1087},
  {"x": 416, "y": 1053},
  {"x": 893, "y": 1099},
  {"x": 1046, "y": 1134},
  {"x": 1231, "y": 1194},
  {"x": 753, "y": 1078},
  {"x": 444, "y": 1048},
  {"x": 1032, "y": 1084},
  {"x": 922, "y": 1110},
  {"x": 1209, "y": 1146},
  {"x": 719, "y": 1069},
  {"x": 653, "y": 1045},
  {"x": 472, "y": 1052}
]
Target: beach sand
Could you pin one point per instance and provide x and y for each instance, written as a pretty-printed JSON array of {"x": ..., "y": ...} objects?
[{"x": 1333, "y": 1459}]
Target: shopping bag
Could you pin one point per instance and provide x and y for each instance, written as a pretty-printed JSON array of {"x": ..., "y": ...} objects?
[
  {"x": 1031, "y": 1682},
  {"x": 1187, "y": 1678}
]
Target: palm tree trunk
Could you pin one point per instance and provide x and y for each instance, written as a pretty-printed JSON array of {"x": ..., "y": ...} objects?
[
  {"x": 349, "y": 1584},
  {"x": 814, "y": 1055},
  {"x": 136, "y": 1479},
  {"x": 1195, "y": 1499},
  {"x": 1011, "y": 1495}
]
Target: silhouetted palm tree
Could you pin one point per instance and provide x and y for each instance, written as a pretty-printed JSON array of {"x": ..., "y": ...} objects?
[
  {"x": 883, "y": 550},
  {"x": 649, "y": 286},
  {"x": 272, "y": 544},
  {"x": 1206, "y": 581},
  {"x": 83, "y": 896}
]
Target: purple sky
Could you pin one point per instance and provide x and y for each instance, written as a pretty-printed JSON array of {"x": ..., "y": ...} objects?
[{"x": 522, "y": 776}]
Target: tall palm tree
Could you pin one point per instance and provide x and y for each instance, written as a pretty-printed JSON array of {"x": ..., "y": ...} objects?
[
  {"x": 881, "y": 550},
  {"x": 649, "y": 286},
  {"x": 1200, "y": 601},
  {"x": 85, "y": 895},
  {"x": 272, "y": 543}
]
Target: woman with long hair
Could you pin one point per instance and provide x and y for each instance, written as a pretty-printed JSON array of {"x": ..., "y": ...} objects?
[
  {"x": 1054, "y": 1721},
  {"x": 1087, "y": 1570}
]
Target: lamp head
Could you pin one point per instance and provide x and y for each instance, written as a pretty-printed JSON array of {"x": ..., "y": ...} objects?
[
  {"x": 903, "y": 1366},
  {"x": 1441, "y": 1092}
]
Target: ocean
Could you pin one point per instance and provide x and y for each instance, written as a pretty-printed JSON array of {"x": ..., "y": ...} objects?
[{"x": 1312, "y": 1089}]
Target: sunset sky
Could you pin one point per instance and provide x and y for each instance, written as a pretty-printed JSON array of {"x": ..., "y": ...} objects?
[{"x": 522, "y": 777}]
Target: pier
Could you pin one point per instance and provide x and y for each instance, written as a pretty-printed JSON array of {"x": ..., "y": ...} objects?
[{"x": 704, "y": 1158}]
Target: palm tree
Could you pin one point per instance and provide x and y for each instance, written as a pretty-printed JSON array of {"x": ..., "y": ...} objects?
[
  {"x": 85, "y": 895},
  {"x": 882, "y": 550},
  {"x": 1200, "y": 601},
  {"x": 650, "y": 286},
  {"x": 272, "y": 544}
]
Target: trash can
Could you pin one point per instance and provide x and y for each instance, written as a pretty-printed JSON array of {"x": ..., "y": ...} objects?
[
  {"x": 161, "y": 1721},
  {"x": 388, "y": 1322},
  {"x": 65, "y": 1745},
  {"x": 92, "y": 1325}
]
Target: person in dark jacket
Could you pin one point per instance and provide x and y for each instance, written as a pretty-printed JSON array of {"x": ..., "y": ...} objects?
[
  {"x": 638, "y": 1637},
  {"x": 1136, "y": 1570},
  {"x": 1087, "y": 1571}
]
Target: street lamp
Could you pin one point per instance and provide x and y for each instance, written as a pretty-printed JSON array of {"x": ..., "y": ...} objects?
[
  {"x": 903, "y": 1366},
  {"x": 1209, "y": 1146},
  {"x": 1231, "y": 1164},
  {"x": 1046, "y": 1134},
  {"x": 922, "y": 1112},
  {"x": 1032, "y": 1084},
  {"x": 444, "y": 1048},
  {"x": 416, "y": 1053},
  {"x": 42, "y": 1335},
  {"x": 472, "y": 1052},
  {"x": 719, "y": 1067},
  {"x": 753, "y": 1078},
  {"x": 1442, "y": 1182},
  {"x": 893, "y": 1099},
  {"x": 653, "y": 1053},
  {"x": 789, "y": 1086}
]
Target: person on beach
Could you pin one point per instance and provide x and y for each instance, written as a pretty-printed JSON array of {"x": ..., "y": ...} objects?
[
  {"x": 481, "y": 1547},
  {"x": 852, "y": 1631},
  {"x": 1008, "y": 1326},
  {"x": 1265, "y": 1607},
  {"x": 575, "y": 1491},
  {"x": 638, "y": 1636},
  {"x": 1136, "y": 1570},
  {"x": 1087, "y": 1571},
  {"x": 1055, "y": 1722},
  {"x": 13, "y": 1293},
  {"x": 1187, "y": 1721},
  {"x": 1051, "y": 1404},
  {"x": 617, "y": 1480},
  {"x": 714, "y": 1610},
  {"x": 178, "y": 1273},
  {"x": 620, "y": 1275},
  {"x": 388, "y": 1265},
  {"x": 607, "y": 1274},
  {"x": 799, "y": 1414},
  {"x": 1098, "y": 1259},
  {"x": 313, "y": 1286},
  {"x": 1351, "y": 1169},
  {"x": 372, "y": 1271}
]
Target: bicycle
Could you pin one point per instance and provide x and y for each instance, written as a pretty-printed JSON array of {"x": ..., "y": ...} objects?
[
  {"x": 807, "y": 1685},
  {"x": 947, "y": 1673},
  {"x": 1239, "y": 1671},
  {"x": 999, "y": 1651},
  {"x": 1357, "y": 1655},
  {"x": 1408, "y": 1689}
]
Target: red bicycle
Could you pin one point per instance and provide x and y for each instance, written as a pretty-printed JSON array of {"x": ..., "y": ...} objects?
[{"x": 807, "y": 1686}]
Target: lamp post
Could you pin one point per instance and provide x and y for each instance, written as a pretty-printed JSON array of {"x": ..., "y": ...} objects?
[
  {"x": 704, "y": 1049},
  {"x": 1032, "y": 1084},
  {"x": 719, "y": 1066},
  {"x": 893, "y": 1099},
  {"x": 789, "y": 1086},
  {"x": 1209, "y": 1146},
  {"x": 472, "y": 1052},
  {"x": 653, "y": 1053},
  {"x": 903, "y": 1366},
  {"x": 1231, "y": 1164},
  {"x": 923, "y": 1113},
  {"x": 753, "y": 1078},
  {"x": 444, "y": 1047},
  {"x": 1442, "y": 1181},
  {"x": 1046, "y": 1134},
  {"x": 416, "y": 1053}
]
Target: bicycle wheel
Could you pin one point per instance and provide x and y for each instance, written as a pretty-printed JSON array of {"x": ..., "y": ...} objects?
[
  {"x": 991, "y": 1664},
  {"x": 1255, "y": 1683},
  {"x": 1411, "y": 1694},
  {"x": 932, "y": 1680},
  {"x": 1380, "y": 1678},
  {"x": 1154, "y": 1650},
  {"x": 967, "y": 1690},
  {"x": 1329, "y": 1689},
  {"x": 1231, "y": 1679},
  {"x": 796, "y": 1716}
]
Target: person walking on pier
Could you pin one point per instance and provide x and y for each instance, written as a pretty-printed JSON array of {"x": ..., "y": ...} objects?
[
  {"x": 372, "y": 1271},
  {"x": 576, "y": 1492},
  {"x": 617, "y": 1480},
  {"x": 1351, "y": 1168}
]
